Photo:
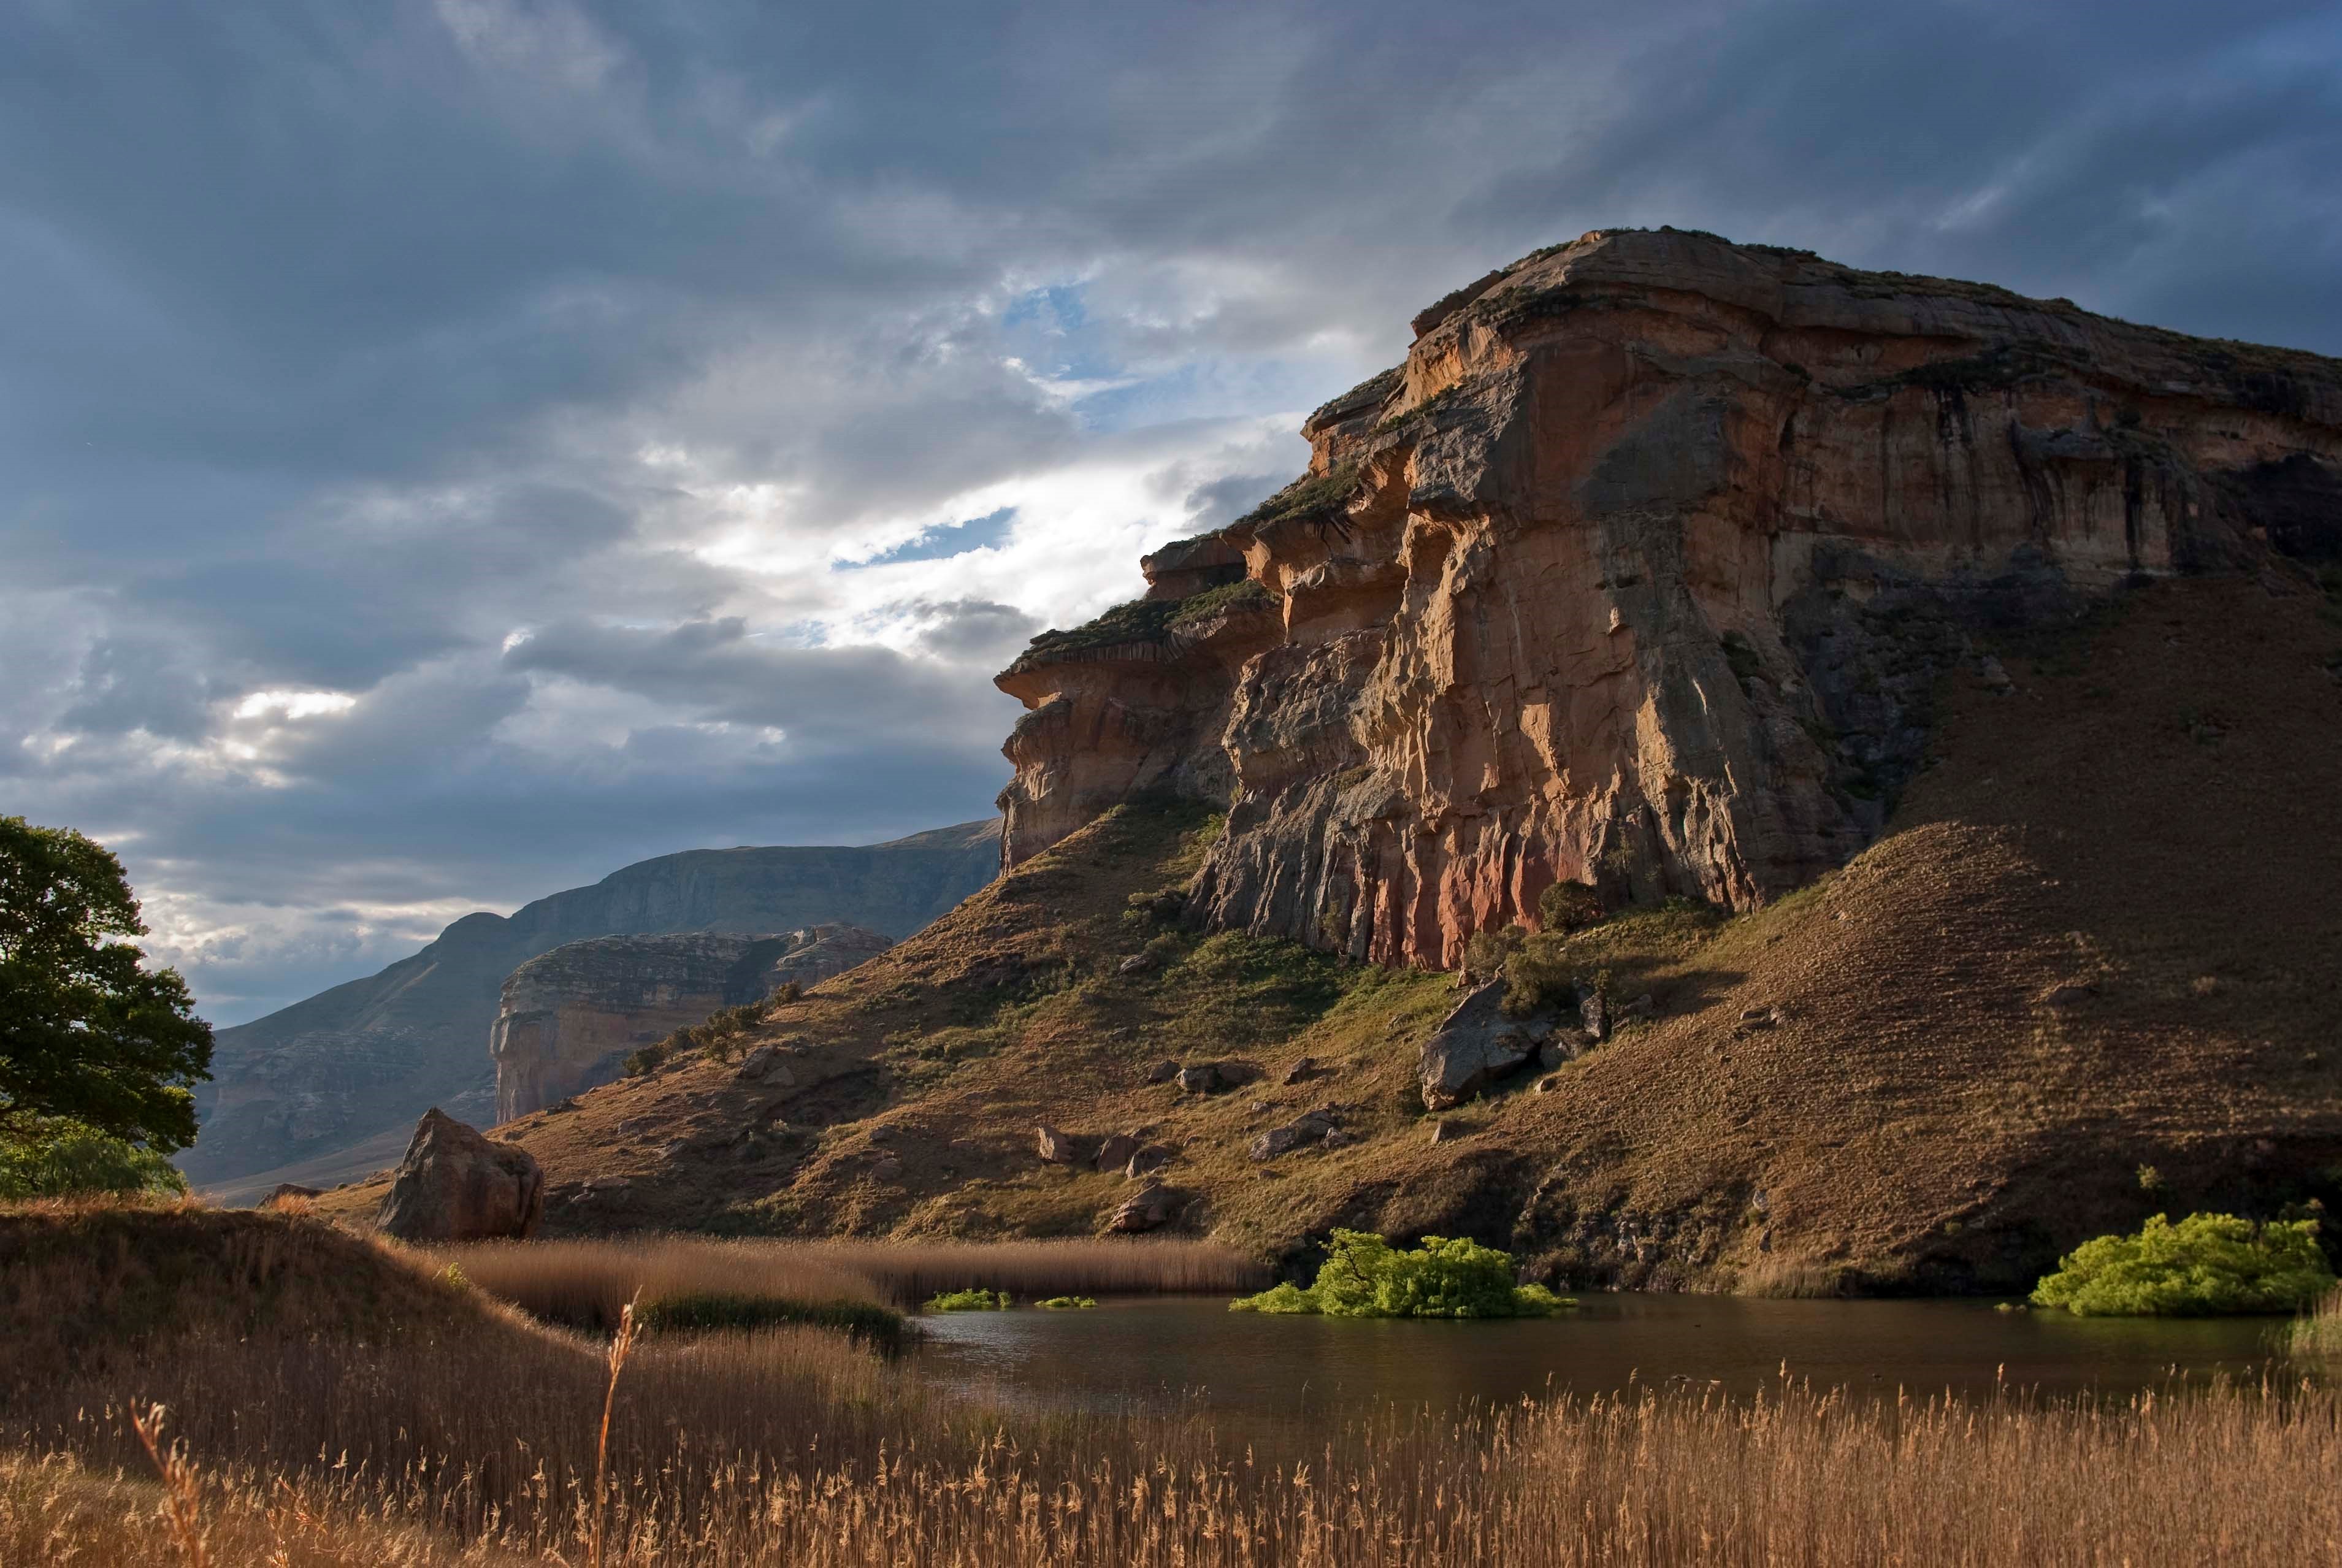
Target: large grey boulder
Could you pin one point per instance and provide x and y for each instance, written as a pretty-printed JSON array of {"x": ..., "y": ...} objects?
[
  {"x": 456, "y": 1185},
  {"x": 1473, "y": 1047}
]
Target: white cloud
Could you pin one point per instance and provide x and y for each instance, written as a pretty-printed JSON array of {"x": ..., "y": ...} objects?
[{"x": 294, "y": 705}]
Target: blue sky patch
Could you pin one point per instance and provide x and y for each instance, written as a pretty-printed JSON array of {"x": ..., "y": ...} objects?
[{"x": 943, "y": 542}]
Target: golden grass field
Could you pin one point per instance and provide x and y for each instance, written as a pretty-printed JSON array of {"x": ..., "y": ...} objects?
[{"x": 329, "y": 1400}]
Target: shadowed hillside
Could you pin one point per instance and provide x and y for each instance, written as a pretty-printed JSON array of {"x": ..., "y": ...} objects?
[{"x": 2098, "y": 933}]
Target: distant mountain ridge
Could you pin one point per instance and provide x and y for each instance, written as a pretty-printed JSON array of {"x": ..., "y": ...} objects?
[{"x": 361, "y": 1061}]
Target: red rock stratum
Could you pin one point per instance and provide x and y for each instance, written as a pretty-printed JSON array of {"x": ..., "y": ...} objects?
[{"x": 1643, "y": 569}]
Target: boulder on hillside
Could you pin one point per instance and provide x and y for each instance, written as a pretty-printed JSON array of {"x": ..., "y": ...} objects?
[
  {"x": 1151, "y": 1209},
  {"x": 1312, "y": 1127},
  {"x": 1473, "y": 1047},
  {"x": 456, "y": 1185},
  {"x": 1148, "y": 1161},
  {"x": 1563, "y": 1046},
  {"x": 1116, "y": 1151},
  {"x": 1057, "y": 1148},
  {"x": 1202, "y": 1078},
  {"x": 1594, "y": 1012},
  {"x": 768, "y": 1065}
]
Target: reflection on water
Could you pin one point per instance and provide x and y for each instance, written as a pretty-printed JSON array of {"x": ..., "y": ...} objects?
[{"x": 1148, "y": 1351}]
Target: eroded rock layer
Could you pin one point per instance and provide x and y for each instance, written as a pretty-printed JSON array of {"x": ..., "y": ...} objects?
[
  {"x": 569, "y": 1018},
  {"x": 1641, "y": 571}
]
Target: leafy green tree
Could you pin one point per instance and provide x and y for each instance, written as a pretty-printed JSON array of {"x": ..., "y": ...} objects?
[
  {"x": 2204, "y": 1265},
  {"x": 87, "y": 1032}
]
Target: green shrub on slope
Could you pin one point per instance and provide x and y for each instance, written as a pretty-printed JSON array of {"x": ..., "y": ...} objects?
[
  {"x": 1365, "y": 1276},
  {"x": 60, "y": 1158},
  {"x": 2204, "y": 1265}
]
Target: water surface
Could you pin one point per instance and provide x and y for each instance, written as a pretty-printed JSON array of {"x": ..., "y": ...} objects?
[{"x": 1154, "y": 1350}]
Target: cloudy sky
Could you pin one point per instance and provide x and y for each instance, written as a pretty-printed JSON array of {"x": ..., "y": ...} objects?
[{"x": 452, "y": 448}]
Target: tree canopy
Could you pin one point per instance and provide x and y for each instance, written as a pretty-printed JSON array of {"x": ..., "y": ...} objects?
[{"x": 87, "y": 1032}]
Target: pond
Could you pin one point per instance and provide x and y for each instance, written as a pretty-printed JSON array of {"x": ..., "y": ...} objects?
[{"x": 1152, "y": 1352}]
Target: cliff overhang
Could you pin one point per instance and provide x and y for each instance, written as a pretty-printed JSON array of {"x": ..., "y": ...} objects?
[{"x": 1643, "y": 569}]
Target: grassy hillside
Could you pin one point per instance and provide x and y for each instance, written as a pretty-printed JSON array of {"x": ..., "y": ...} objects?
[{"x": 2098, "y": 935}]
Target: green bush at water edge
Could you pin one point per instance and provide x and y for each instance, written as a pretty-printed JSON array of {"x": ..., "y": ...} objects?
[
  {"x": 1066, "y": 1303},
  {"x": 2203, "y": 1265},
  {"x": 1365, "y": 1276},
  {"x": 977, "y": 1300}
]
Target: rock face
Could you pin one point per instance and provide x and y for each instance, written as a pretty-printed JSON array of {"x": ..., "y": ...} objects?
[
  {"x": 456, "y": 1185},
  {"x": 301, "y": 1093},
  {"x": 569, "y": 1017},
  {"x": 1641, "y": 571},
  {"x": 1475, "y": 1046},
  {"x": 1150, "y": 1210}
]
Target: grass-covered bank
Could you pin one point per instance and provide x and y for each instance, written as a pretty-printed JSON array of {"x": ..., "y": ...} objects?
[{"x": 343, "y": 1403}]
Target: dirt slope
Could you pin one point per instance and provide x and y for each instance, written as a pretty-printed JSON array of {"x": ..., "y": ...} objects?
[{"x": 2101, "y": 932}]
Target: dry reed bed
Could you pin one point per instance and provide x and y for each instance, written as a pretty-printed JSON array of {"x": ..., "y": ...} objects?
[
  {"x": 790, "y": 1446},
  {"x": 586, "y": 1282},
  {"x": 456, "y": 1432},
  {"x": 2319, "y": 1332}
]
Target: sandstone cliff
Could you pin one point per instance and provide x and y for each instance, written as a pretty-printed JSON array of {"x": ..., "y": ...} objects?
[
  {"x": 330, "y": 1087},
  {"x": 2097, "y": 933},
  {"x": 1687, "y": 568},
  {"x": 568, "y": 1018},
  {"x": 1642, "y": 571}
]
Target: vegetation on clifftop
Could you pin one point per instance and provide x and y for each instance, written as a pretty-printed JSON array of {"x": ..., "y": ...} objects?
[
  {"x": 1321, "y": 494},
  {"x": 1147, "y": 620}
]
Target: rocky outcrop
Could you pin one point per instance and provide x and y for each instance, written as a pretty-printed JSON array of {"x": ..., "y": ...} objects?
[
  {"x": 1150, "y": 1210},
  {"x": 1475, "y": 1046},
  {"x": 568, "y": 1018},
  {"x": 1641, "y": 571},
  {"x": 456, "y": 1185},
  {"x": 295, "y": 1093}
]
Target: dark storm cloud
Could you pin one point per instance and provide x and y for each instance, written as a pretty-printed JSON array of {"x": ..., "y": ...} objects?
[{"x": 427, "y": 426}]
